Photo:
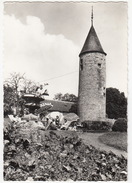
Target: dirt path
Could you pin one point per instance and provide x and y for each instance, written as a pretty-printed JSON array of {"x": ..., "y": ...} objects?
[{"x": 92, "y": 139}]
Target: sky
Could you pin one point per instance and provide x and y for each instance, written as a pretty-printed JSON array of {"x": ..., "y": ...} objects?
[{"x": 43, "y": 40}]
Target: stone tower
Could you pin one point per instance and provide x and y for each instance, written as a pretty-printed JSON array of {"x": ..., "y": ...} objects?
[{"x": 92, "y": 79}]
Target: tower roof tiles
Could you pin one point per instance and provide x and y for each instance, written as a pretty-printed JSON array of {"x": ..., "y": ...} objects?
[{"x": 92, "y": 43}]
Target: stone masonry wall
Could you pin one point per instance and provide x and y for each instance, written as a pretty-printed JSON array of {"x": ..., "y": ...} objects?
[{"x": 92, "y": 89}]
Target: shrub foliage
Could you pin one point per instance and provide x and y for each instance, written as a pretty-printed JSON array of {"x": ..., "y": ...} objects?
[
  {"x": 51, "y": 157},
  {"x": 120, "y": 125},
  {"x": 96, "y": 125}
]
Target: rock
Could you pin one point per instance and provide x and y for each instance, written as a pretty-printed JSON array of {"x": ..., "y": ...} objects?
[
  {"x": 79, "y": 170},
  {"x": 103, "y": 164},
  {"x": 69, "y": 180},
  {"x": 124, "y": 172},
  {"x": 67, "y": 168},
  {"x": 103, "y": 177},
  {"x": 12, "y": 148},
  {"x": 6, "y": 142},
  {"x": 52, "y": 169},
  {"x": 87, "y": 151},
  {"x": 63, "y": 155},
  {"x": 49, "y": 167},
  {"x": 115, "y": 159},
  {"x": 31, "y": 162},
  {"x": 84, "y": 160},
  {"x": 41, "y": 168},
  {"x": 6, "y": 164},
  {"x": 113, "y": 170},
  {"x": 30, "y": 179},
  {"x": 40, "y": 178},
  {"x": 96, "y": 168},
  {"x": 75, "y": 156},
  {"x": 103, "y": 155},
  {"x": 71, "y": 146},
  {"x": 109, "y": 176},
  {"x": 117, "y": 167},
  {"x": 46, "y": 175},
  {"x": 38, "y": 146},
  {"x": 27, "y": 155}
]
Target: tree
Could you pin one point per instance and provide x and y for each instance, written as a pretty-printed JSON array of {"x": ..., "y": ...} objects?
[
  {"x": 29, "y": 86},
  {"x": 58, "y": 96},
  {"x": 116, "y": 103},
  {"x": 73, "y": 98},
  {"x": 69, "y": 97},
  {"x": 12, "y": 87},
  {"x": 15, "y": 81},
  {"x": 8, "y": 99},
  {"x": 66, "y": 97}
]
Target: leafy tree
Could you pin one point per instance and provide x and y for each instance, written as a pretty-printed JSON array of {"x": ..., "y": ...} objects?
[
  {"x": 12, "y": 96},
  {"x": 29, "y": 86},
  {"x": 15, "y": 81},
  {"x": 66, "y": 97},
  {"x": 8, "y": 99},
  {"x": 58, "y": 96},
  {"x": 69, "y": 97},
  {"x": 116, "y": 103}
]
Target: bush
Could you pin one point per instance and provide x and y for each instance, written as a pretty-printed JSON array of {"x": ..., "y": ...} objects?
[
  {"x": 96, "y": 125},
  {"x": 51, "y": 156},
  {"x": 120, "y": 125}
]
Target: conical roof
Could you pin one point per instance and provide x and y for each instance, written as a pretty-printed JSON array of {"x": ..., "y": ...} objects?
[{"x": 92, "y": 43}]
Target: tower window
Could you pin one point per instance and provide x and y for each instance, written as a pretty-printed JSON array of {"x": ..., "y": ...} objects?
[
  {"x": 81, "y": 64},
  {"x": 99, "y": 65}
]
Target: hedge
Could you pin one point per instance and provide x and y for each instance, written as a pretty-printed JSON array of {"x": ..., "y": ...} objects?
[
  {"x": 96, "y": 125},
  {"x": 120, "y": 125}
]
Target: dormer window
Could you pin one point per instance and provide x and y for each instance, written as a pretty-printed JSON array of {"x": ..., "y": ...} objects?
[{"x": 81, "y": 64}]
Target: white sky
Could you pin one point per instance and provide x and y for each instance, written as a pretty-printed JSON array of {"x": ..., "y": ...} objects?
[{"x": 43, "y": 40}]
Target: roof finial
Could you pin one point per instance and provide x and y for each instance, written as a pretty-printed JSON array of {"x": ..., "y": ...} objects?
[{"x": 92, "y": 17}]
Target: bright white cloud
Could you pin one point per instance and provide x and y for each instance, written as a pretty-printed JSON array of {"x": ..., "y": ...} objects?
[{"x": 28, "y": 49}]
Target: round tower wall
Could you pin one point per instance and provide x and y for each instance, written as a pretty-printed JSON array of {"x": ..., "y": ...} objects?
[{"x": 92, "y": 89}]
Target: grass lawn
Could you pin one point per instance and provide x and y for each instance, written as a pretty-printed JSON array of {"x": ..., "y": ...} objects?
[{"x": 117, "y": 140}]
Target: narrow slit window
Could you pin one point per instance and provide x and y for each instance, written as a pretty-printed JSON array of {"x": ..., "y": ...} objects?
[
  {"x": 99, "y": 65},
  {"x": 81, "y": 64}
]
